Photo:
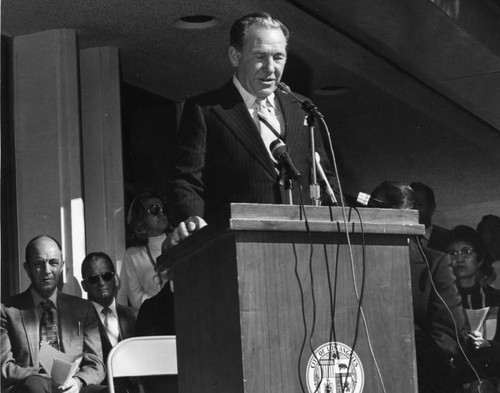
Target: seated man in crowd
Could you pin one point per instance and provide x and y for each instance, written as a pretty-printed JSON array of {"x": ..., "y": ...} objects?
[
  {"x": 434, "y": 296},
  {"x": 116, "y": 321},
  {"x": 100, "y": 281},
  {"x": 435, "y": 236},
  {"x": 44, "y": 314},
  {"x": 472, "y": 271}
]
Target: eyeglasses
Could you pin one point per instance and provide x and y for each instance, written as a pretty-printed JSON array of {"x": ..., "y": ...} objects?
[
  {"x": 466, "y": 252},
  {"x": 107, "y": 276},
  {"x": 155, "y": 210}
]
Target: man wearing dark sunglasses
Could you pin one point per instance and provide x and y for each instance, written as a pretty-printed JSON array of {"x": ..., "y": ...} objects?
[{"x": 116, "y": 321}]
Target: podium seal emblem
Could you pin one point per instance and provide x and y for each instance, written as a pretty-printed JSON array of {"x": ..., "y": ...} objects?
[{"x": 334, "y": 368}]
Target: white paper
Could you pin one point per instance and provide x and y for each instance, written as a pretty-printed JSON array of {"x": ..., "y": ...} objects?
[{"x": 60, "y": 366}]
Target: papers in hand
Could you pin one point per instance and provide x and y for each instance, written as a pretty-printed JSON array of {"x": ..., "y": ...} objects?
[
  {"x": 59, "y": 365},
  {"x": 483, "y": 320}
]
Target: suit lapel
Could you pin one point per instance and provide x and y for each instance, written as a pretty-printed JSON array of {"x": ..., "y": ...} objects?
[
  {"x": 123, "y": 323},
  {"x": 292, "y": 115},
  {"x": 30, "y": 324},
  {"x": 234, "y": 113},
  {"x": 68, "y": 324}
]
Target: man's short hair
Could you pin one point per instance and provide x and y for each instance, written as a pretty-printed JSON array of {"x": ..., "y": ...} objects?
[
  {"x": 418, "y": 186},
  {"x": 240, "y": 28},
  {"x": 29, "y": 246},
  {"x": 94, "y": 256}
]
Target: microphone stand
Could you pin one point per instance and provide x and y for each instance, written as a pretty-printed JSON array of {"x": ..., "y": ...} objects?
[
  {"x": 314, "y": 188},
  {"x": 312, "y": 113},
  {"x": 289, "y": 188}
]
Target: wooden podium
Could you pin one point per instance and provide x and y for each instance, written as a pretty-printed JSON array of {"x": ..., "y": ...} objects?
[{"x": 271, "y": 304}]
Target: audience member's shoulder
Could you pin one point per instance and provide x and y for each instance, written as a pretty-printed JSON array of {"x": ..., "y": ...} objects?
[
  {"x": 76, "y": 300},
  {"x": 436, "y": 255},
  {"x": 424, "y": 254},
  {"x": 127, "y": 310},
  {"x": 18, "y": 300}
]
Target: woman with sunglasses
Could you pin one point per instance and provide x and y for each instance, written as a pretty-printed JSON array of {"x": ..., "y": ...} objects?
[
  {"x": 148, "y": 220},
  {"x": 467, "y": 253}
]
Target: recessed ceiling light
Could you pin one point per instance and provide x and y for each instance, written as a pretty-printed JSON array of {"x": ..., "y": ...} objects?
[{"x": 196, "y": 22}]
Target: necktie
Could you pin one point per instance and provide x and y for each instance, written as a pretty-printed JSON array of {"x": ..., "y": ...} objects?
[
  {"x": 48, "y": 324},
  {"x": 269, "y": 124},
  {"x": 111, "y": 325}
]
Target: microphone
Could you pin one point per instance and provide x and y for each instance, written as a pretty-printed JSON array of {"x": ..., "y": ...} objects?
[
  {"x": 321, "y": 172},
  {"x": 368, "y": 201},
  {"x": 280, "y": 153},
  {"x": 305, "y": 105}
]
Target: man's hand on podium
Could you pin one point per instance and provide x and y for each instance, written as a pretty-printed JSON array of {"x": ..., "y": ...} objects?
[{"x": 185, "y": 229}]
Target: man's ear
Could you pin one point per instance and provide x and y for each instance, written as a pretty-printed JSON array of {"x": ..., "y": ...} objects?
[
  {"x": 84, "y": 285},
  {"x": 234, "y": 56},
  {"x": 118, "y": 282},
  {"x": 27, "y": 269}
]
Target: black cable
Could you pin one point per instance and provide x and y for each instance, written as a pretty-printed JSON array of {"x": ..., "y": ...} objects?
[
  {"x": 311, "y": 275},
  {"x": 304, "y": 319},
  {"x": 361, "y": 294}
]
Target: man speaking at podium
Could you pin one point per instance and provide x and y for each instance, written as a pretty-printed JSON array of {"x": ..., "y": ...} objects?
[{"x": 223, "y": 152}]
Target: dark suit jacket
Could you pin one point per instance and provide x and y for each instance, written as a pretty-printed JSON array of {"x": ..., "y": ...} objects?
[
  {"x": 221, "y": 157},
  {"x": 126, "y": 320},
  {"x": 78, "y": 328},
  {"x": 156, "y": 316}
]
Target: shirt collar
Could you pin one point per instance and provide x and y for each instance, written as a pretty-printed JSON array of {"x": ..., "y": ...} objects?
[
  {"x": 37, "y": 298},
  {"x": 248, "y": 98},
  {"x": 99, "y": 308}
]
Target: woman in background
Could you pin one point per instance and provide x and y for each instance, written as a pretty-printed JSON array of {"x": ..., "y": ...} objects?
[
  {"x": 473, "y": 271},
  {"x": 148, "y": 219}
]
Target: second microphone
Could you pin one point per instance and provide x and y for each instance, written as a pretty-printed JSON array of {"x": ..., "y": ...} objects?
[{"x": 280, "y": 153}]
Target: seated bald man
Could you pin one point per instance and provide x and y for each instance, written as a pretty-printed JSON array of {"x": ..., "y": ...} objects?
[{"x": 44, "y": 314}]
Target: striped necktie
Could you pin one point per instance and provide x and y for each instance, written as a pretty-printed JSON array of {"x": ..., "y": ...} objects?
[{"x": 270, "y": 128}]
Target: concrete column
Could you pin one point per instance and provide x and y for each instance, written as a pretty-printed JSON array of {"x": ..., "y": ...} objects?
[
  {"x": 102, "y": 154},
  {"x": 47, "y": 146}
]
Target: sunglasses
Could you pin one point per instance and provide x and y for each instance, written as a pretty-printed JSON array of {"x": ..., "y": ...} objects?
[
  {"x": 155, "y": 210},
  {"x": 107, "y": 276}
]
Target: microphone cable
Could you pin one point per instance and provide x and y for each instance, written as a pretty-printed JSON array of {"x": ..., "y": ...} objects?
[
  {"x": 313, "y": 296},
  {"x": 351, "y": 257}
]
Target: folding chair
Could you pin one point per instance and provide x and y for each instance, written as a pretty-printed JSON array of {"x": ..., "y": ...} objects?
[{"x": 142, "y": 356}]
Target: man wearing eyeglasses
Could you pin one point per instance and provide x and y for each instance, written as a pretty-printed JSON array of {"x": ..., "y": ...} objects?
[
  {"x": 116, "y": 321},
  {"x": 43, "y": 315}
]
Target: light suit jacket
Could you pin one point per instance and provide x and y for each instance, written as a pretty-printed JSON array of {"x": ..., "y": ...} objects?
[{"x": 78, "y": 329}]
